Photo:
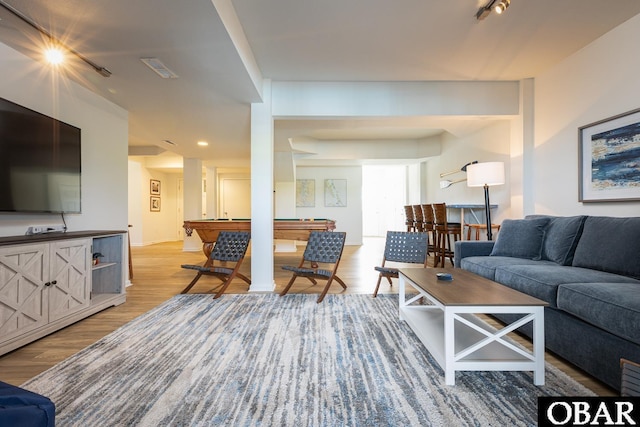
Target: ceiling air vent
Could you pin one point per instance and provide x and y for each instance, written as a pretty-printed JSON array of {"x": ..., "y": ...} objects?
[{"x": 156, "y": 65}]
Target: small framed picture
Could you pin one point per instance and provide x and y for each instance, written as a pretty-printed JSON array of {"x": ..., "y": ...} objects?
[
  {"x": 155, "y": 204},
  {"x": 155, "y": 187}
]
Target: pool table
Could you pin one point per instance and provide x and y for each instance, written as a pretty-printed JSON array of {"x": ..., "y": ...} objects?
[{"x": 288, "y": 229}]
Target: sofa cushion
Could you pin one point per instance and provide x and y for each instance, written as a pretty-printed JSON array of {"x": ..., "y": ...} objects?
[
  {"x": 485, "y": 266},
  {"x": 610, "y": 244},
  {"x": 520, "y": 238},
  {"x": 561, "y": 238},
  {"x": 20, "y": 407},
  {"x": 541, "y": 280},
  {"x": 614, "y": 307}
]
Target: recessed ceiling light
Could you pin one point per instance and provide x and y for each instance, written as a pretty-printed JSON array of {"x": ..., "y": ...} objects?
[
  {"x": 159, "y": 68},
  {"x": 203, "y": 143}
]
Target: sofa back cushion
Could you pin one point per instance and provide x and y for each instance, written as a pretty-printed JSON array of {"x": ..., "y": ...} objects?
[
  {"x": 520, "y": 238},
  {"x": 610, "y": 244},
  {"x": 561, "y": 238}
]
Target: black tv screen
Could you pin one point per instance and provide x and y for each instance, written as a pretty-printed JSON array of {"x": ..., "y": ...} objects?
[{"x": 39, "y": 162}]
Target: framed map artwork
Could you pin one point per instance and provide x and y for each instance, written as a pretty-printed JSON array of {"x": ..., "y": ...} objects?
[
  {"x": 335, "y": 193},
  {"x": 305, "y": 193}
]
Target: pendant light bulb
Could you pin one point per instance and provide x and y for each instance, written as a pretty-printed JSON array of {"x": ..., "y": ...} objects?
[{"x": 54, "y": 56}]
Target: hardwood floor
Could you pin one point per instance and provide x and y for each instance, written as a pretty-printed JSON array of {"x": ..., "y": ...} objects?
[{"x": 158, "y": 277}]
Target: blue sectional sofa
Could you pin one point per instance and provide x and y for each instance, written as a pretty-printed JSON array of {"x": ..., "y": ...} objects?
[
  {"x": 23, "y": 408},
  {"x": 587, "y": 268}
]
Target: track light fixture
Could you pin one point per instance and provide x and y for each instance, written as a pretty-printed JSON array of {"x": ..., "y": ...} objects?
[
  {"x": 502, "y": 6},
  {"x": 54, "y": 42},
  {"x": 462, "y": 169},
  {"x": 498, "y": 6}
]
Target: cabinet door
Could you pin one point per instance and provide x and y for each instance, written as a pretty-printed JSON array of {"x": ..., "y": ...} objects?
[
  {"x": 24, "y": 270},
  {"x": 70, "y": 288}
]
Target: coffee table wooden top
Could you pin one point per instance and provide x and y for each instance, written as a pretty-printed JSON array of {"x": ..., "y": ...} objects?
[{"x": 467, "y": 288}]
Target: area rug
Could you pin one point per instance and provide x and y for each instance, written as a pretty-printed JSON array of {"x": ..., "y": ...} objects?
[{"x": 263, "y": 360}]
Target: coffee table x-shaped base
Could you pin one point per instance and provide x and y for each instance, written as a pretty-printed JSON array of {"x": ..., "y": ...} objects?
[{"x": 460, "y": 341}]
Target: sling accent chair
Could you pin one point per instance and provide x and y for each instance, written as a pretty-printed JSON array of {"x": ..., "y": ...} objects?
[
  {"x": 402, "y": 247},
  {"x": 225, "y": 260},
  {"x": 320, "y": 260}
]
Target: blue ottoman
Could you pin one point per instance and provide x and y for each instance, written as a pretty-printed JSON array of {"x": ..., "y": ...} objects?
[{"x": 19, "y": 407}]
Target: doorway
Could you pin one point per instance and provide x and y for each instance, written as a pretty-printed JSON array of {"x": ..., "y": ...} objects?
[
  {"x": 383, "y": 199},
  {"x": 235, "y": 196}
]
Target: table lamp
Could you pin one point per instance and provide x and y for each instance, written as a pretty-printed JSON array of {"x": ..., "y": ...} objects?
[{"x": 486, "y": 175}]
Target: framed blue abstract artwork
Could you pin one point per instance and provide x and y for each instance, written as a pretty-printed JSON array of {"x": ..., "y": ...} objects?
[{"x": 609, "y": 159}]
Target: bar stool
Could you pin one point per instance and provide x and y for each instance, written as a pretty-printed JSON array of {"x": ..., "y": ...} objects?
[
  {"x": 478, "y": 228},
  {"x": 410, "y": 221},
  {"x": 429, "y": 226},
  {"x": 418, "y": 218},
  {"x": 444, "y": 231}
]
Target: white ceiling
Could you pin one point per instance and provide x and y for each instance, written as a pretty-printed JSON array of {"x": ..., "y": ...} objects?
[{"x": 300, "y": 40}]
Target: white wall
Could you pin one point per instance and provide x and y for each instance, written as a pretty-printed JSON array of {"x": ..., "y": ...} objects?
[
  {"x": 490, "y": 144},
  {"x": 347, "y": 218},
  {"x": 104, "y": 143},
  {"x": 152, "y": 227},
  {"x": 135, "y": 206},
  {"x": 597, "y": 82}
]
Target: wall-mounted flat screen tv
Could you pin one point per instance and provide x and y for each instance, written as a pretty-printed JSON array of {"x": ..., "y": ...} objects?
[{"x": 39, "y": 162}]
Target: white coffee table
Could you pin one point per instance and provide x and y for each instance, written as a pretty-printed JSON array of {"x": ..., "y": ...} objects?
[{"x": 460, "y": 341}]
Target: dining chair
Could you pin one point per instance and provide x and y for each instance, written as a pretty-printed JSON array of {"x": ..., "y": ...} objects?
[
  {"x": 320, "y": 260},
  {"x": 401, "y": 247},
  {"x": 225, "y": 260}
]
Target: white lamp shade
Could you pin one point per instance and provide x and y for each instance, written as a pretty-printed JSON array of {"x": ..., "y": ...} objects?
[{"x": 481, "y": 174}]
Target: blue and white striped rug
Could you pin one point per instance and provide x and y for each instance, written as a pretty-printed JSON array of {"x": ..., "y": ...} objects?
[{"x": 263, "y": 360}]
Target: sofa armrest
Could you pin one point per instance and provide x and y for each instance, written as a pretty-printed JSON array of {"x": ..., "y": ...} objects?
[{"x": 467, "y": 248}]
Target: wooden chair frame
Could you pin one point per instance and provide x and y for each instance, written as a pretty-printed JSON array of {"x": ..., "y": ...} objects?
[
  {"x": 410, "y": 219},
  {"x": 429, "y": 227},
  {"x": 444, "y": 231},
  {"x": 225, "y": 260},
  {"x": 320, "y": 260},
  {"x": 402, "y": 247},
  {"x": 418, "y": 218}
]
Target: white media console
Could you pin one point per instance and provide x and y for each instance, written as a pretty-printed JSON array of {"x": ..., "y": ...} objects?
[{"x": 49, "y": 281}]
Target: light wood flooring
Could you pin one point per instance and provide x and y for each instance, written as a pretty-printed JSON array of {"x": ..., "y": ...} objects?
[{"x": 157, "y": 276}]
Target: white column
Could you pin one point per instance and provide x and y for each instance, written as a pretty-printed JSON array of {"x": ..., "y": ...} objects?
[
  {"x": 192, "y": 174},
  {"x": 520, "y": 179},
  {"x": 212, "y": 193},
  {"x": 528, "y": 146},
  {"x": 262, "y": 193}
]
